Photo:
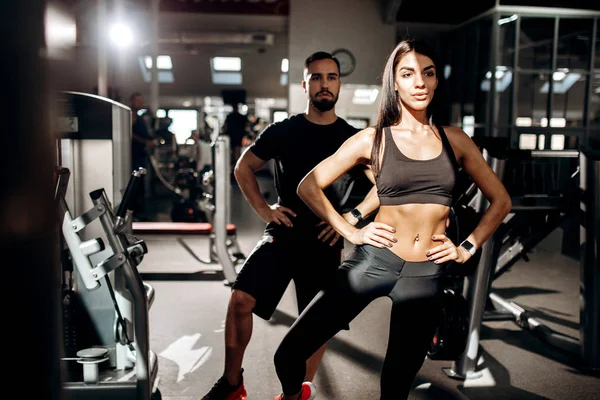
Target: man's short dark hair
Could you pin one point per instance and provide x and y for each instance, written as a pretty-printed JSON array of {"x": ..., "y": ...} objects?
[{"x": 321, "y": 55}]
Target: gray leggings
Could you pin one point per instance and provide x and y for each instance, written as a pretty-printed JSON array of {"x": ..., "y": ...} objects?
[{"x": 367, "y": 274}]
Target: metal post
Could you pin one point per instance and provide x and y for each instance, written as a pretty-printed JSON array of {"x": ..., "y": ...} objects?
[
  {"x": 587, "y": 103},
  {"x": 222, "y": 202},
  {"x": 120, "y": 66},
  {"x": 476, "y": 290},
  {"x": 590, "y": 260},
  {"x": 154, "y": 11},
  {"x": 154, "y": 87},
  {"x": 102, "y": 57}
]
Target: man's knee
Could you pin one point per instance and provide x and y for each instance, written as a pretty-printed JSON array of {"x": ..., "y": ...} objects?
[{"x": 241, "y": 303}]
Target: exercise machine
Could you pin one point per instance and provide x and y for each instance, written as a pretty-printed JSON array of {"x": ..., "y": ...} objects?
[
  {"x": 191, "y": 188},
  {"x": 105, "y": 302},
  {"x": 223, "y": 246},
  {"x": 105, "y": 366},
  {"x": 532, "y": 218}
]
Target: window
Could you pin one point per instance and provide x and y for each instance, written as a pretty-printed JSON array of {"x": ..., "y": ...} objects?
[
  {"x": 164, "y": 65},
  {"x": 574, "y": 43},
  {"x": 535, "y": 43},
  {"x": 162, "y": 62},
  {"x": 226, "y": 64},
  {"x": 226, "y": 70},
  {"x": 285, "y": 67}
]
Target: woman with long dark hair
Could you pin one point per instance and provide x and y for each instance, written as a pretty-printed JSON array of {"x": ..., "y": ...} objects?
[{"x": 404, "y": 253}]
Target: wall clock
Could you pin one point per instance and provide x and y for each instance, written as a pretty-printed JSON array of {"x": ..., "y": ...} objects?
[{"x": 346, "y": 59}]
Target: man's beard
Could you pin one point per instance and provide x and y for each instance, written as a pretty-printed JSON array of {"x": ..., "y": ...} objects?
[{"x": 323, "y": 105}]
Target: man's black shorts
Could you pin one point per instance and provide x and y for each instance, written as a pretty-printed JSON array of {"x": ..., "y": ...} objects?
[{"x": 275, "y": 261}]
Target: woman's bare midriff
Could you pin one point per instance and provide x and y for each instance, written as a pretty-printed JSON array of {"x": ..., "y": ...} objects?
[{"x": 414, "y": 221}]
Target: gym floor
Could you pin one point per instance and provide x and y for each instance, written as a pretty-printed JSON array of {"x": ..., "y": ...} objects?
[{"x": 188, "y": 315}]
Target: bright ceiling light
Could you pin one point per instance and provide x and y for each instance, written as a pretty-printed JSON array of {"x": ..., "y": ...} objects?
[
  {"x": 559, "y": 75},
  {"x": 557, "y": 142},
  {"x": 558, "y": 122},
  {"x": 121, "y": 35},
  {"x": 500, "y": 71},
  {"x": 524, "y": 121},
  {"x": 227, "y": 64},
  {"x": 164, "y": 62},
  {"x": 285, "y": 65},
  {"x": 527, "y": 141}
]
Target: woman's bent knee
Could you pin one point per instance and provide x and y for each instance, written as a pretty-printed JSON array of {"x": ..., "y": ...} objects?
[
  {"x": 281, "y": 356},
  {"x": 288, "y": 353}
]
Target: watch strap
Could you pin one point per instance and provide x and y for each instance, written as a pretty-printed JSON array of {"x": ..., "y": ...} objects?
[{"x": 356, "y": 214}]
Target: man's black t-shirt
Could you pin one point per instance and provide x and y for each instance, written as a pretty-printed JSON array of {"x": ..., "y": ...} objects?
[{"x": 297, "y": 146}]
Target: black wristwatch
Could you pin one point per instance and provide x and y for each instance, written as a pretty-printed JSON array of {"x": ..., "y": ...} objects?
[
  {"x": 356, "y": 214},
  {"x": 468, "y": 246}
]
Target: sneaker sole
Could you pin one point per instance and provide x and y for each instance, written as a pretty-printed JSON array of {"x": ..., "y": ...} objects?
[
  {"x": 242, "y": 397},
  {"x": 313, "y": 390}
]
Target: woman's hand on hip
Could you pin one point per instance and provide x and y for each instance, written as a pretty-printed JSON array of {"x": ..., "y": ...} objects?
[
  {"x": 375, "y": 234},
  {"x": 446, "y": 251}
]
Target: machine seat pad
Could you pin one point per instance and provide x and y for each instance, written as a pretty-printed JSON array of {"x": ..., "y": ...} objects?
[{"x": 177, "y": 228}]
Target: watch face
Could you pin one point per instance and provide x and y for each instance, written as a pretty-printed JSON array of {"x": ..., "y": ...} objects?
[
  {"x": 347, "y": 61},
  {"x": 467, "y": 245}
]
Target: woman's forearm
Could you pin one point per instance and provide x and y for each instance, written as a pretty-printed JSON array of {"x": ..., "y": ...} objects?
[
  {"x": 369, "y": 204},
  {"x": 490, "y": 221}
]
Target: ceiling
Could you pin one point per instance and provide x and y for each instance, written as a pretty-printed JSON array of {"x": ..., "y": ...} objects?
[
  {"x": 193, "y": 31},
  {"x": 457, "y": 12},
  {"x": 254, "y": 31}
]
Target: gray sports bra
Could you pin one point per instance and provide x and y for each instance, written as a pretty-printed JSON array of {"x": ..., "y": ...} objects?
[{"x": 404, "y": 180}]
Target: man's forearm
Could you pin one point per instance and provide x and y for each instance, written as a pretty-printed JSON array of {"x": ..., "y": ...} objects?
[
  {"x": 250, "y": 189},
  {"x": 315, "y": 199}
]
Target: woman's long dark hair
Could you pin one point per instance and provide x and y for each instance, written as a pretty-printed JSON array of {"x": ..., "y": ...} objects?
[{"x": 390, "y": 111}]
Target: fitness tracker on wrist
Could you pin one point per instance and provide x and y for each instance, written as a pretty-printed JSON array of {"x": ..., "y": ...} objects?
[
  {"x": 356, "y": 214},
  {"x": 468, "y": 246}
]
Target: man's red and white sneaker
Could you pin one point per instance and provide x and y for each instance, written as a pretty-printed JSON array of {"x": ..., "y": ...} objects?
[{"x": 222, "y": 390}]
